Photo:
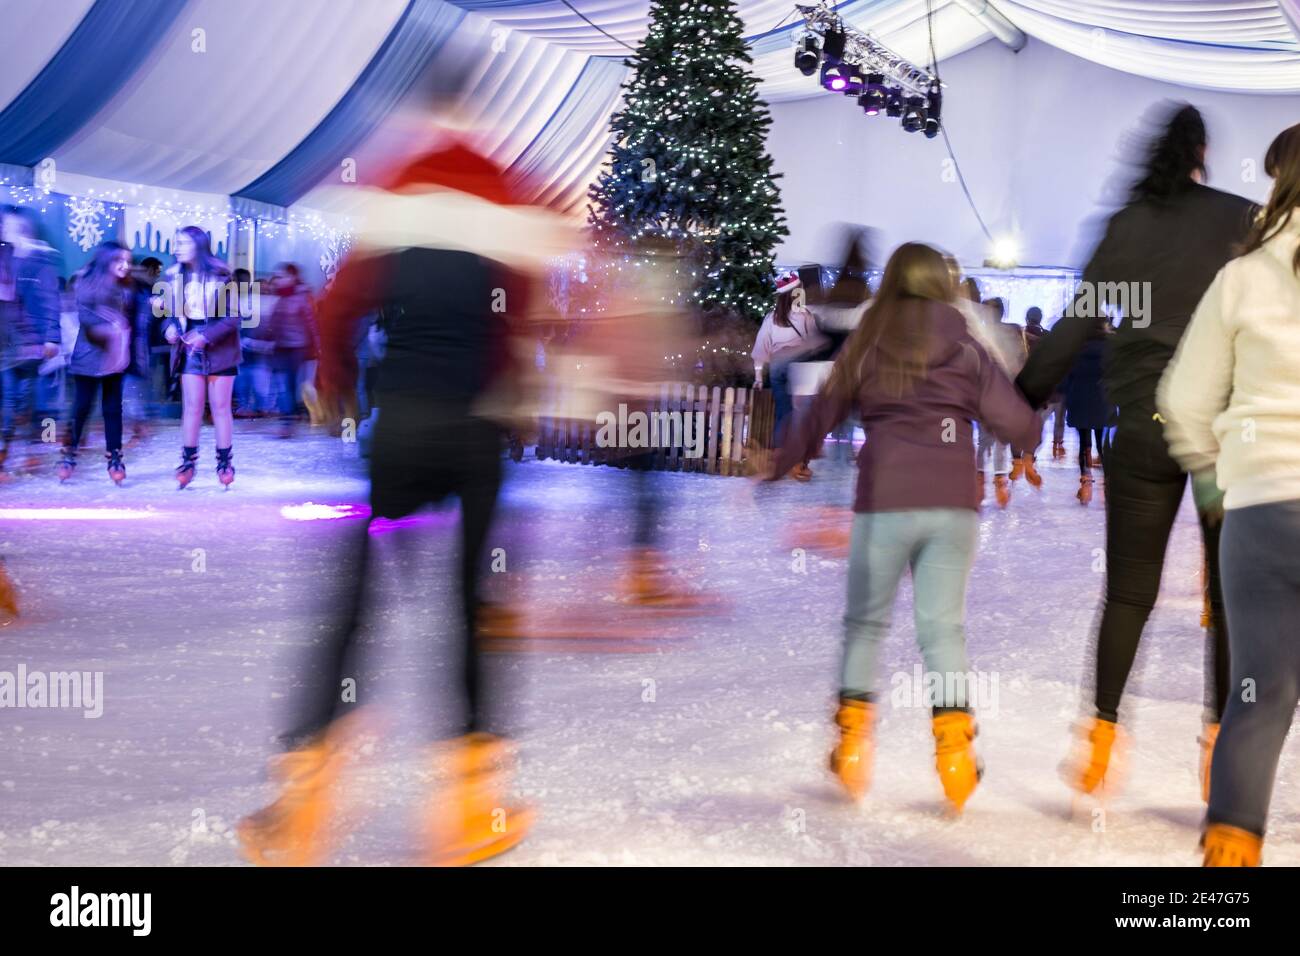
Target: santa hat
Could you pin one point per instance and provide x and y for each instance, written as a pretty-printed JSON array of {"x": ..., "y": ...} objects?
[
  {"x": 455, "y": 198},
  {"x": 787, "y": 283}
]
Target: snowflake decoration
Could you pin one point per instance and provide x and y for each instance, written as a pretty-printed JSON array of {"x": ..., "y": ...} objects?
[
  {"x": 336, "y": 246},
  {"x": 84, "y": 217}
]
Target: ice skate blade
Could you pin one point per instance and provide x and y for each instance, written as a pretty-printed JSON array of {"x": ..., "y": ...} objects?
[
  {"x": 251, "y": 848},
  {"x": 468, "y": 855}
]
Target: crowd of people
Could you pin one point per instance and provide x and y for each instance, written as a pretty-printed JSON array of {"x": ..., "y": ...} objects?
[
  {"x": 143, "y": 343},
  {"x": 1220, "y": 409},
  {"x": 1205, "y": 387}
]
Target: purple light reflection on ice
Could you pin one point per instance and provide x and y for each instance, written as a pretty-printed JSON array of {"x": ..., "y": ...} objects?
[
  {"x": 76, "y": 514},
  {"x": 314, "y": 511},
  {"x": 311, "y": 511}
]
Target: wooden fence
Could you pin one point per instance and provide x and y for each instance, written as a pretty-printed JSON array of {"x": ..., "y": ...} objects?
[{"x": 734, "y": 420}]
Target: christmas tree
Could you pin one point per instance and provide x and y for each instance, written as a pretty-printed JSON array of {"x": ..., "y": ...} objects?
[{"x": 689, "y": 162}]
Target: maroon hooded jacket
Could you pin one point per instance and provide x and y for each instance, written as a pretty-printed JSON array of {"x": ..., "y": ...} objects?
[{"x": 920, "y": 450}]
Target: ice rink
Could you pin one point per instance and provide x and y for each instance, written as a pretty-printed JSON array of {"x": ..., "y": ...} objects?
[{"x": 699, "y": 741}]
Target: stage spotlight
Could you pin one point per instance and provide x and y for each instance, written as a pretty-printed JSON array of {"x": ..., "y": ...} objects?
[
  {"x": 894, "y": 102},
  {"x": 873, "y": 96},
  {"x": 835, "y": 76},
  {"x": 914, "y": 114},
  {"x": 856, "y": 81},
  {"x": 807, "y": 56},
  {"x": 1005, "y": 254},
  {"x": 934, "y": 102},
  {"x": 933, "y": 106}
]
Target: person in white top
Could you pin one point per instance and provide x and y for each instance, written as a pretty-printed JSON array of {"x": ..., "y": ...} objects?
[
  {"x": 788, "y": 334},
  {"x": 1230, "y": 401}
]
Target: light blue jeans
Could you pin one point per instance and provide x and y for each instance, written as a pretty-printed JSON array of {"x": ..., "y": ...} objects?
[
  {"x": 938, "y": 544},
  {"x": 1001, "y": 453}
]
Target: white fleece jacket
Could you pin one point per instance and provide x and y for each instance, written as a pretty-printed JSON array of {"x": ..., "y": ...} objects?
[{"x": 1231, "y": 396}]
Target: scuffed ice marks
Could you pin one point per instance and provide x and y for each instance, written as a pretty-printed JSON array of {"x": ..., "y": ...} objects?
[{"x": 725, "y": 763}]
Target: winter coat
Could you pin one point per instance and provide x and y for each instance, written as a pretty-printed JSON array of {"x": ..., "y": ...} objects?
[
  {"x": 1170, "y": 252},
  {"x": 293, "y": 321},
  {"x": 104, "y": 316},
  {"x": 32, "y": 317},
  {"x": 209, "y": 296},
  {"x": 142, "y": 332},
  {"x": 1231, "y": 397},
  {"x": 920, "y": 450},
  {"x": 1085, "y": 396},
  {"x": 775, "y": 343}
]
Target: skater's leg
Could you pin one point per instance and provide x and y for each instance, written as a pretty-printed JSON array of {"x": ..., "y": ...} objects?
[
  {"x": 478, "y": 491},
  {"x": 783, "y": 404},
  {"x": 1217, "y": 641},
  {"x": 1261, "y": 583},
  {"x": 193, "y": 396},
  {"x": 19, "y": 400},
  {"x": 1085, "y": 450},
  {"x": 1001, "y": 458},
  {"x": 1058, "y": 421},
  {"x": 1144, "y": 489},
  {"x": 940, "y": 571},
  {"x": 880, "y": 546},
  {"x": 647, "y": 500},
  {"x": 85, "y": 387},
  {"x": 220, "y": 388},
  {"x": 111, "y": 400},
  {"x": 321, "y": 699}
]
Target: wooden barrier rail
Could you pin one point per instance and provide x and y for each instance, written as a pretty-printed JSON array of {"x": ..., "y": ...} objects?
[{"x": 734, "y": 420}]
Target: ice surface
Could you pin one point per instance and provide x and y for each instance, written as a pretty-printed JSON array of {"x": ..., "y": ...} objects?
[{"x": 725, "y": 765}]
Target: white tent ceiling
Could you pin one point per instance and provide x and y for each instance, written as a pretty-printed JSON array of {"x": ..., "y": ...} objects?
[{"x": 548, "y": 71}]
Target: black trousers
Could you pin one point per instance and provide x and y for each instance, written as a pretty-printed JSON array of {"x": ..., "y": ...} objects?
[
  {"x": 420, "y": 456},
  {"x": 86, "y": 387},
  {"x": 1144, "y": 488},
  {"x": 1086, "y": 438}
]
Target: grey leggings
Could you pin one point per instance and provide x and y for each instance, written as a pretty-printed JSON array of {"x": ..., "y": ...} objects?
[{"x": 1260, "y": 564}]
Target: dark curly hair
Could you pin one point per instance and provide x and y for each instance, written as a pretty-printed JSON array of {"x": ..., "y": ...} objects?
[{"x": 1174, "y": 153}]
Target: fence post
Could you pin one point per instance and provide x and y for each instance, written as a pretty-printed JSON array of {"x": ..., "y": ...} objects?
[{"x": 715, "y": 404}]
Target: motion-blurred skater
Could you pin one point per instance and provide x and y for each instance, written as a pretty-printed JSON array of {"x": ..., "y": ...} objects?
[{"x": 441, "y": 254}]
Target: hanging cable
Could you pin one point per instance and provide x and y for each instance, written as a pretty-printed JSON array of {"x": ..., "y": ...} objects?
[
  {"x": 596, "y": 25},
  {"x": 943, "y": 128}
]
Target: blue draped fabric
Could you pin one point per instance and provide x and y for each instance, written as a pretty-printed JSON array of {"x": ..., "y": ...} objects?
[
  {"x": 91, "y": 67},
  {"x": 424, "y": 27},
  {"x": 584, "y": 107}
]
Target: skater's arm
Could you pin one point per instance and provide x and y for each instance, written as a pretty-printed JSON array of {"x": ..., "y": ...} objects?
[
  {"x": 1197, "y": 385},
  {"x": 1003, "y": 409},
  {"x": 829, "y": 409},
  {"x": 355, "y": 293},
  {"x": 762, "y": 349},
  {"x": 229, "y": 312},
  {"x": 94, "y": 326},
  {"x": 1056, "y": 352},
  {"x": 44, "y": 306}
]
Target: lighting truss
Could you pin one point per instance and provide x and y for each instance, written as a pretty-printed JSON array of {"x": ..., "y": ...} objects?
[{"x": 870, "y": 54}]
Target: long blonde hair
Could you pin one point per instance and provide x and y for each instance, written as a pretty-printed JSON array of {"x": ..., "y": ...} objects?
[{"x": 895, "y": 325}]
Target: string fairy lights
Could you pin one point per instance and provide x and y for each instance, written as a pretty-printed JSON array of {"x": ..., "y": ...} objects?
[{"x": 93, "y": 213}]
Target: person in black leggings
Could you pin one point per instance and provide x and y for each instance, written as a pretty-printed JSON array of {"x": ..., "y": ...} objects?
[
  {"x": 105, "y": 308},
  {"x": 1160, "y": 252}
]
